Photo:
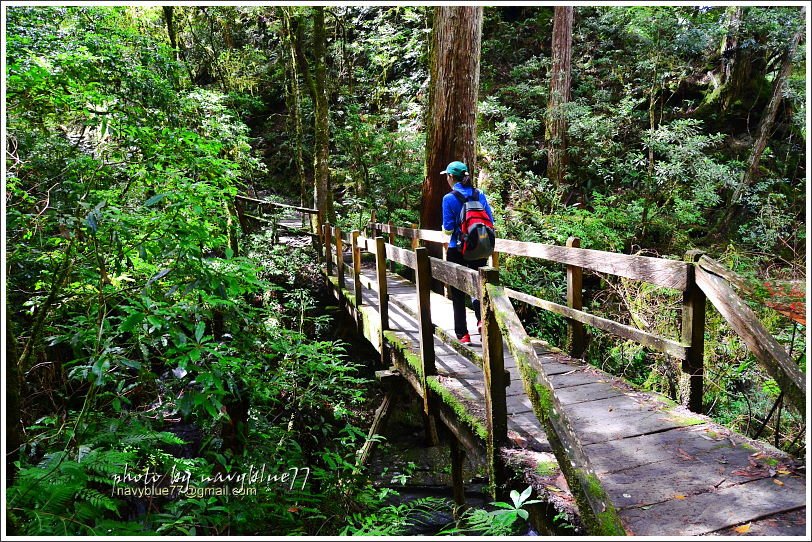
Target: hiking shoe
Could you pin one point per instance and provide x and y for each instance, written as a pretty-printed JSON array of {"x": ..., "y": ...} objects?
[{"x": 465, "y": 339}]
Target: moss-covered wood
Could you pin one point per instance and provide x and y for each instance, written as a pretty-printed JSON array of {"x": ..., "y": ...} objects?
[{"x": 600, "y": 516}]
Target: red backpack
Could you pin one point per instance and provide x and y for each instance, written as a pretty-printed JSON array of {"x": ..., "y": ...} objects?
[{"x": 477, "y": 237}]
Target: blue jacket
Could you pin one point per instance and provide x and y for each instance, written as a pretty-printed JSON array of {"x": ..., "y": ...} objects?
[{"x": 452, "y": 208}]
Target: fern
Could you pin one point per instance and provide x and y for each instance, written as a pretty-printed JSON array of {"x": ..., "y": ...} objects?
[{"x": 396, "y": 520}]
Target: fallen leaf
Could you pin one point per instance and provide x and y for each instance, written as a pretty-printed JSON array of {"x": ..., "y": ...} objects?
[
  {"x": 627, "y": 495},
  {"x": 742, "y": 529},
  {"x": 553, "y": 488},
  {"x": 685, "y": 455},
  {"x": 645, "y": 507},
  {"x": 778, "y": 482},
  {"x": 679, "y": 497},
  {"x": 293, "y": 509},
  {"x": 781, "y": 471}
]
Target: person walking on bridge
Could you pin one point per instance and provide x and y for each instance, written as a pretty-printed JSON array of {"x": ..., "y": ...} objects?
[{"x": 459, "y": 179}]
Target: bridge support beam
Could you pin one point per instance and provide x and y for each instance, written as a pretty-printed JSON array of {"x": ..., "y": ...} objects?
[{"x": 457, "y": 479}]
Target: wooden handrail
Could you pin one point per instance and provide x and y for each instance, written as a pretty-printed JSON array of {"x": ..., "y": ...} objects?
[
  {"x": 672, "y": 348},
  {"x": 600, "y": 515},
  {"x": 759, "y": 341},
  {"x": 660, "y": 271},
  {"x": 698, "y": 277},
  {"x": 281, "y": 205}
]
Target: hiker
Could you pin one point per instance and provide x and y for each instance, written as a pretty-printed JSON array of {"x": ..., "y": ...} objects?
[{"x": 461, "y": 191}]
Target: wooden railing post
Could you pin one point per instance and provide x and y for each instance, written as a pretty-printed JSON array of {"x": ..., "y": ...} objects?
[
  {"x": 693, "y": 336},
  {"x": 493, "y": 365},
  {"x": 415, "y": 241},
  {"x": 426, "y": 331},
  {"x": 356, "y": 266},
  {"x": 315, "y": 228},
  {"x": 391, "y": 242},
  {"x": 328, "y": 249},
  {"x": 576, "y": 337},
  {"x": 339, "y": 256},
  {"x": 383, "y": 290}
]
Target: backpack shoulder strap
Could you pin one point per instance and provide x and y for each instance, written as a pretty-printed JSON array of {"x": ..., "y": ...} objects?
[
  {"x": 475, "y": 195},
  {"x": 459, "y": 195}
]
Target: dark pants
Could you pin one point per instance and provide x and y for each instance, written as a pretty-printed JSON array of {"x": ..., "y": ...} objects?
[{"x": 458, "y": 297}]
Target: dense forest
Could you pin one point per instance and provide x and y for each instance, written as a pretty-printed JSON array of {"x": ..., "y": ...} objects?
[{"x": 147, "y": 327}]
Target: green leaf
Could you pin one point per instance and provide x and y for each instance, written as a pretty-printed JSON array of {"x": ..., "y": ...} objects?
[
  {"x": 131, "y": 321},
  {"x": 514, "y": 496},
  {"x": 154, "y": 199},
  {"x": 525, "y": 494},
  {"x": 199, "y": 330}
]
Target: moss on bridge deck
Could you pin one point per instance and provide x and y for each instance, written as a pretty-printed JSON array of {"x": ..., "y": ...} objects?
[{"x": 666, "y": 471}]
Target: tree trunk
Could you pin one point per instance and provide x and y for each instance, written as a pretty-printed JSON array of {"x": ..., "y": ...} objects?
[
  {"x": 451, "y": 122},
  {"x": 294, "y": 102},
  {"x": 730, "y": 42},
  {"x": 765, "y": 127},
  {"x": 170, "y": 27},
  {"x": 323, "y": 197},
  {"x": 317, "y": 85},
  {"x": 559, "y": 94},
  {"x": 737, "y": 62}
]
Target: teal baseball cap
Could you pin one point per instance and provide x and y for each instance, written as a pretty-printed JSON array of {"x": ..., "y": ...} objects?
[{"x": 457, "y": 169}]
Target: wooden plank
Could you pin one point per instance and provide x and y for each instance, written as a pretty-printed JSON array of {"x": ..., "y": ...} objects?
[
  {"x": 668, "y": 273},
  {"x": 587, "y": 392},
  {"x": 458, "y": 276},
  {"x": 575, "y": 284},
  {"x": 401, "y": 256},
  {"x": 367, "y": 282},
  {"x": 597, "y": 510},
  {"x": 764, "y": 347},
  {"x": 661, "y": 344},
  {"x": 714, "y": 510}
]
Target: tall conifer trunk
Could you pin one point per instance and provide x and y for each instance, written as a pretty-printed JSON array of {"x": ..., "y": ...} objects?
[
  {"x": 451, "y": 115},
  {"x": 559, "y": 94}
]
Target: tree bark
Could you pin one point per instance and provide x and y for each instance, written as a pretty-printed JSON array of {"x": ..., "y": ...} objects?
[
  {"x": 730, "y": 42},
  {"x": 294, "y": 102},
  {"x": 765, "y": 127},
  {"x": 323, "y": 197},
  {"x": 317, "y": 85},
  {"x": 559, "y": 94},
  {"x": 451, "y": 122},
  {"x": 170, "y": 27}
]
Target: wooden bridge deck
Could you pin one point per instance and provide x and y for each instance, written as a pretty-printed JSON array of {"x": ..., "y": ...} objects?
[{"x": 666, "y": 470}]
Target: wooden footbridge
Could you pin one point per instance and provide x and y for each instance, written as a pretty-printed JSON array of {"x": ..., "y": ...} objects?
[{"x": 636, "y": 462}]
